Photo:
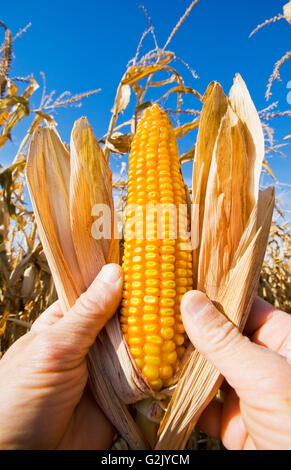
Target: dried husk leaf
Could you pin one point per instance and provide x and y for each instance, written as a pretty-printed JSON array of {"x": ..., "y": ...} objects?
[
  {"x": 287, "y": 11},
  {"x": 227, "y": 205},
  {"x": 90, "y": 184},
  {"x": 119, "y": 143},
  {"x": 215, "y": 106},
  {"x": 110, "y": 402},
  {"x": 48, "y": 176},
  {"x": 244, "y": 107},
  {"x": 234, "y": 232},
  {"x": 136, "y": 73}
]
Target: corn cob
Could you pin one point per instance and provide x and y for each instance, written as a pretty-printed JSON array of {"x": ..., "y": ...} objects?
[{"x": 157, "y": 266}]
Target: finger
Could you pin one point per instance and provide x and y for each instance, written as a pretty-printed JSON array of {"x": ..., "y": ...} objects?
[
  {"x": 243, "y": 363},
  {"x": 249, "y": 444},
  {"x": 233, "y": 430},
  {"x": 210, "y": 420},
  {"x": 49, "y": 317},
  {"x": 92, "y": 310},
  {"x": 275, "y": 333},
  {"x": 269, "y": 327}
]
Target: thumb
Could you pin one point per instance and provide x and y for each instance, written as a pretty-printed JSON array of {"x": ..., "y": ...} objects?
[
  {"x": 243, "y": 363},
  {"x": 82, "y": 323}
]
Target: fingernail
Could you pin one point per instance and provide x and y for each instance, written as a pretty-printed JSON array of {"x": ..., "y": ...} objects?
[
  {"x": 110, "y": 273},
  {"x": 195, "y": 303}
]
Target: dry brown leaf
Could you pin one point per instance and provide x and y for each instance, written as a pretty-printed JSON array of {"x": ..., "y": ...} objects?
[
  {"x": 119, "y": 143},
  {"x": 135, "y": 73},
  {"x": 183, "y": 130},
  {"x": 48, "y": 178}
]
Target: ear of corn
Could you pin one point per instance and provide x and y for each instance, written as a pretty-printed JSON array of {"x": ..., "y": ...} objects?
[{"x": 157, "y": 265}]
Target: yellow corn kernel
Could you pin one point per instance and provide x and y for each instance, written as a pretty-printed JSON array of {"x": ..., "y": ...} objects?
[
  {"x": 151, "y": 329},
  {"x": 166, "y": 372},
  {"x": 151, "y": 372},
  {"x": 157, "y": 268},
  {"x": 155, "y": 360},
  {"x": 168, "y": 346}
]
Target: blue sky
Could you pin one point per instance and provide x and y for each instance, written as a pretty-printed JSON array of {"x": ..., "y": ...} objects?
[{"x": 86, "y": 45}]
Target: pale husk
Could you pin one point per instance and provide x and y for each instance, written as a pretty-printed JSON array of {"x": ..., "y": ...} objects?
[{"x": 233, "y": 229}]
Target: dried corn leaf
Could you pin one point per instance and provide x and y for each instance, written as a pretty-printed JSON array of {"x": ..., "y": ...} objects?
[
  {"x": 32, "y": 87},
  {"x": 10, "y": 101},
  {"x": 119, "y": 143},
  {"x": 4, "y": 117},
  {"x": 188, "y": 156},
  {"x": 268, "y": 169},
  {"x": 135, "y": 73},
  {"x": 163, "y": 82},
  {"x": 21, "y": 267},
  {"x": 29, "y": 282},
  {"x": 183, "y": 130},
  {"x": 3, "y": 322}
]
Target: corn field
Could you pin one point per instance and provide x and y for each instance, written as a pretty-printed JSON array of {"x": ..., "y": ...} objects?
[{"x": 157, "y": 76}]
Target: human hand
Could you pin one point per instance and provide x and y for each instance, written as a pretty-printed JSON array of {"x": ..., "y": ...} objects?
[
  {"x": 256, "y": 413},
  {"x": 44, "y": 402}
]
